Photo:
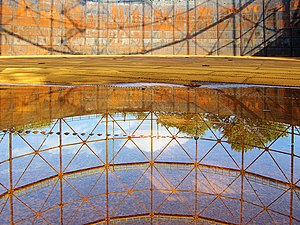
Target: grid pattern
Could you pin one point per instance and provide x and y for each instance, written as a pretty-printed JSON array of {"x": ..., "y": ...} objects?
[
  {"x": 142, "y": 168},
  {"x": 199, "y": 156},
  {"x": 193, "y": 27}
]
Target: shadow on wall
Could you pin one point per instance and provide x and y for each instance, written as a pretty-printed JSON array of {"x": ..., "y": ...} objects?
[
  {"x": 193, "y": 27},
  {"x": 286, "y": 41}
]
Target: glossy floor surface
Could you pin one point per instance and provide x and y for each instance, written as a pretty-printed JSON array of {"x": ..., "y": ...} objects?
[
  {"x": 216, "y": 154},
  {"x": 188, "y": 70}
]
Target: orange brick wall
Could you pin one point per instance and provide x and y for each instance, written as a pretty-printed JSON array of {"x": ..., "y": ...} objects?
[{"x": 219, "y": 27}]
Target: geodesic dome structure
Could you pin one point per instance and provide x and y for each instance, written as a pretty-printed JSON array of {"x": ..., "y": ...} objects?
[{"x": 150, "y": 155}]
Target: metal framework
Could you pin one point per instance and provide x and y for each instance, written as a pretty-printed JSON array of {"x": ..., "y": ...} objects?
[
  {"x": 153, "y": 167},
  {"x": 215, "y": 27},
  {"x": 34, "y": 105},
  {"x": 79, "y": 176}
]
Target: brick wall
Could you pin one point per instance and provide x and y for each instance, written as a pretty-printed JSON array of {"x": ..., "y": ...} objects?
[{"x": 200, "y": 27}]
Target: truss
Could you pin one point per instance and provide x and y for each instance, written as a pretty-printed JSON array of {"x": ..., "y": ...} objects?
[{"x": 116, "y": 168}]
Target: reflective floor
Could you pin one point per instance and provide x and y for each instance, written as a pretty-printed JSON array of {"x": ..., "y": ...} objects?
[{"x": 149, "y": 155}]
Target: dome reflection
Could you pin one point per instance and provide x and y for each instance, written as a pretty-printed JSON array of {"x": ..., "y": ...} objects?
[{"x": 167, "y": 155}]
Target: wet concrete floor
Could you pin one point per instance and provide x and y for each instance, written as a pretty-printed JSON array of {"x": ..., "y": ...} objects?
[
  {"x": 215, "y": 154},
  {"x": 188, "y": 70}
]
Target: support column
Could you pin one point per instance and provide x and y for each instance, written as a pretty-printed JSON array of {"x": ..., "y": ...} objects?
[
  {"x": 242, "y": 186},
  {"x": 188, "y": 27},
  {"x": 152, "y": 23},
  {"x": 143, "y": 29},
  {"x": 11, "y": 187},
  {"x": 106, "y": 167},
  {"x": 51, "y": 27},
  {"x": 129, "y": 27},
  {"x": 234, "y": 27},
  {"x": 292, "y": 174},
  {"x": 1, "y": 31},
  {"x": 85, "y": 28},
  {"x": 195, "y": 27},
  {"x": 241, "y": 27},
  {"x": 61, "y": 27},
  {"x": 196, "y": 183},
  {"x": 173, "y": 25},
  {"x": 106, "y": 24},
  {"x": 151, "y": 168},
  {"x": 218, "y": 28},
  {"x": 264, "y": 27},
  {"x": 242, "y": 182},
  {"x": 98, "y": 31},
  {"x": 61, "y": 205},
  {"x": 12, "y": 46}
]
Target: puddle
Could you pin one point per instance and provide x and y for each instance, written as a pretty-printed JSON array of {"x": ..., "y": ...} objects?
[
  {"x": 139, "y": 85},
  {"x": 195, "y": 84},
  {"x": 150, "y": 154}
]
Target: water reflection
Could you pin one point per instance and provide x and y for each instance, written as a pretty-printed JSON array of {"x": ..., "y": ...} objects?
[{"x": 151, "y": 155}]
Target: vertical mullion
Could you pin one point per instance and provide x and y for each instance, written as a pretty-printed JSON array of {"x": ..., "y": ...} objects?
[
  {"x": 188, "y": 26},
  {"x": 107, "y": 29},
  {"x": 98, "y": 34},
  {"x": 195, "y": 26},
  {"x": 241, "y": 27},
  {"x": 218, "y": 28},
  {"x": 264, "y": 28},
  {"x": 151, "y": 167},
  {"x": 1, "y": 31},
  {"x": 51, "y": 27},
  {"x": 196, "y": 180},
  {"x": 173, "y": 23},
  {"x": 106, "y": 167},
  {"x": 60, "y": 171},
  {"x": 143, "y": 28},
  {"x": 10, "y": 179},
  {"x": 85, "y": 24},
  {"x": 129, "y": 26},
  {"x": 292, "y": 174},
  {"x": 242, "y": 182}
]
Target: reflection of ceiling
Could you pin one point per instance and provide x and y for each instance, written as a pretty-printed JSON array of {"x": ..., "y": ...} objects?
[
  {"x": 109, "y": 168},
  {"x": 176, "y": 184},
  {"x": 27, "y": 105}
]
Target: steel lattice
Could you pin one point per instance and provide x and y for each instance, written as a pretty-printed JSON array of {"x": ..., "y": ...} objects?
[{"x": 149, "y": 166}]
